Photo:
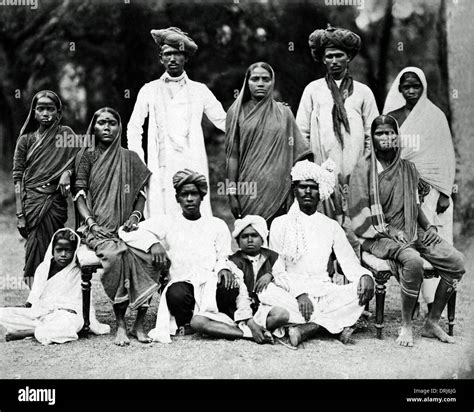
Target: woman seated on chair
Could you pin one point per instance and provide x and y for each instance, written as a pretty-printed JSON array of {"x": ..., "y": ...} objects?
[
  {"x": 109, "y": 193},
  {"x": 390, "y": 224}
]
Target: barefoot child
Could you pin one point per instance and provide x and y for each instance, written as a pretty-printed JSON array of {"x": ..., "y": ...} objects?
[
  {"x": 250, "y": 311},
  {"x": 53, "y": 312}
]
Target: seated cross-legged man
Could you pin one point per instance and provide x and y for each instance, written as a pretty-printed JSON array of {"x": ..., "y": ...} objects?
[
  {"x": 53, "y": 312},
  {"x": 305, "y": 239},
  {"x": 391, "y": 224},
  {"x": 197, "y": 247},
  {"x": 258, "y": 308}
]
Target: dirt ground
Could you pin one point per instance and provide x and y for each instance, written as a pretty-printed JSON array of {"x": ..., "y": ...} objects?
[{"x": 199, "y": 358}]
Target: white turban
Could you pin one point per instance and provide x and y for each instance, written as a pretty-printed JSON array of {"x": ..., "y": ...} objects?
[
  {"x": 257, "y": 222},
  {"x": 323, "y": 175}
]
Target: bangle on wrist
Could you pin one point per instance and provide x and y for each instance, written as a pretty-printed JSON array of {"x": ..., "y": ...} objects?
[
  {"x": 93, "y": 224},
  {"x": 20, "y": 214},
  {"x": 138, "y": 214},
  {"x": 135, "y": 215},
  {"x": 432, "y": 226},
  {"x": 87, "y": 218}
]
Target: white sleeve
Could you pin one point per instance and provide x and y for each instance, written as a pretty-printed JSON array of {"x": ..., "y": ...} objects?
[
  {"x": 346, "y": 256},
  {"x": 149, "y": 232},
  {"x": 135, "y": 124},
  {"x": 369, "y": 112},
  {"x": 223, "y": 246},
  {"x": 280, "y": 277},
  {"x": 213, "y": 109},
  {"x": 244, "y": 310},
  {"x": 303, "y": 115}
]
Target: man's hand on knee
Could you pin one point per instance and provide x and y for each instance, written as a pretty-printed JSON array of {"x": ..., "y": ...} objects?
[
  {"x": 365, "y": 289},
  {"x": 226, "y": 276},
  {"x": 305, "y": 306}
]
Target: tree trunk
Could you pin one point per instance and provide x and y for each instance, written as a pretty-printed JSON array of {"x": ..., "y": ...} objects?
[{"x": 460, "y": 15}]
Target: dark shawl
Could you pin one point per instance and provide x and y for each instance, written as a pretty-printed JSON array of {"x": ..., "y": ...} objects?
[{"x": 269, "y": 144}]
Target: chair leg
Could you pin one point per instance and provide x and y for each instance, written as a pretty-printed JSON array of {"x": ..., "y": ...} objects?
[
  {"x": 86, "y": 298},
  {"x": 451, "y": 313},
  {"x": 380, "y": 291}
]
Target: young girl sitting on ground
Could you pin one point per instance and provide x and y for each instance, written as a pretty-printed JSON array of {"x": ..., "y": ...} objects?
[{"x": 53, "y": 312}]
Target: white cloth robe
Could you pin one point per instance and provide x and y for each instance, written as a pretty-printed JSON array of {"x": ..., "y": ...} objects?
[
  {"x": 314, "y": 119},
  {"x": 335, "y": 306},
  {"x": 48, "y": 298},
  {"x": 198, "y": 250},
  {"x": 169, "y": 150}
]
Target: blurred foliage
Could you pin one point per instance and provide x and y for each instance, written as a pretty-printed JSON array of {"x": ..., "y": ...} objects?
[{"x": 101, "y": 53}]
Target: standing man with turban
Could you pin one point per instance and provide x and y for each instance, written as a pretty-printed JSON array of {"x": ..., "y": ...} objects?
[
  {"x": 304, "y": 239},
  {"x": 197, "y": 246},
  {"x": 335, "y": 114},
  {"x": 174, "y": 105}
]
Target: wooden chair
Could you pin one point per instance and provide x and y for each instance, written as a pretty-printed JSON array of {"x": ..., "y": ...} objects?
[
  {"x": 382, "y": 272},
  {"x": 88, "y": 263}
]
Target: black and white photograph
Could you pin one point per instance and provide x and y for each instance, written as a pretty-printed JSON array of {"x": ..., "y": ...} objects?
[{"x": 251, "y": 195}]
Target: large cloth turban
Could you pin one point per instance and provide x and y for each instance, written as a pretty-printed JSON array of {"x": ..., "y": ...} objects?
[
  {"x": 176, "y": 38},
  {"x": 257, "y": 222},
  {"x": 186, "y": 176},
  {"x": 343, "y": 39},
  {"x": 323, "y": 175}
]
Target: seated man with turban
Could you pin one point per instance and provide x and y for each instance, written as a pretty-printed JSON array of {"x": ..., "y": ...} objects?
[
  {"x": 256, "y": 308},
  {"x": 174, "y": 105},
  {"x": 305, "y": 239},
  {"x": 335, "y": 114},
  {"x": 197, "y": 247}
]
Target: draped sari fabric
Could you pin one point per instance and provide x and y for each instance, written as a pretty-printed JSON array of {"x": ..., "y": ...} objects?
[
  {"x": 269, "y": 144},
  {"x": 378, "y": 201},
  {"x": 114, "y": 183},
  {"x": 425, "y": 136},
  {"x": 40, "y": 160}
]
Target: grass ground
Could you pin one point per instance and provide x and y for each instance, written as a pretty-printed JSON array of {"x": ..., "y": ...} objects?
[{"x": 199, "y": 357}]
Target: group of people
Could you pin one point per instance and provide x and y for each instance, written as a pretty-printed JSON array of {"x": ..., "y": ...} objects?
[{"x": 336, "y": 180}]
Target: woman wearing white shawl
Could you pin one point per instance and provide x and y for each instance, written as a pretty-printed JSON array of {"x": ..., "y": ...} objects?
[
  {"x": 55, "y": 314},
  {"x": 426, "y": 141}
]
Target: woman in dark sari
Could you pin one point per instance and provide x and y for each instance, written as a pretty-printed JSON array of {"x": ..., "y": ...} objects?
[
  {"x": 390, "y": 224},
  {"x": 263, "y": 143},
  {"x": 109, "y": 193},
  {"x": 42, "y": 168}
]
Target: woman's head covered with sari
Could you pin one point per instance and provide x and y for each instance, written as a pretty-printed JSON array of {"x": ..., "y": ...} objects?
[
  {"x": 268, "y": 143},
  {"x": 115, "y": 178},
  {"x": 425, "y": 135},
  {"x": 379, "y": 199},
  {"x": 31, "y": 124}
]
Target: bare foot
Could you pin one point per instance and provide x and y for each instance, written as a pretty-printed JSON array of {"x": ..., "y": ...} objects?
[
  {"x": 433, "y": 330},
  {"x": 346, "y": 336},
  {"x": 121, "y": 339},
  {"x": 295, "y": 335},
  {"x": 141, "y": 336},
  {"x": 405, "y": 338}
]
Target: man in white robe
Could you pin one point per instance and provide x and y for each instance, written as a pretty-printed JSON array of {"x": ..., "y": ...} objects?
[
  {"x": 53, "y": 312},
  {"x": 174, "y": 105},
  {"x": 335, "y": 114},
  {"x": 305, "y": 239},
  {"x": 196, "y": 245}
]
